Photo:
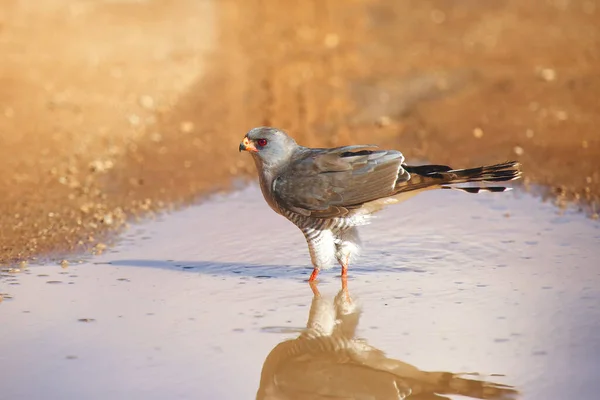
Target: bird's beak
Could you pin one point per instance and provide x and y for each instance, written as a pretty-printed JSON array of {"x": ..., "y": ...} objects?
[{"x": 247, "y": 145}]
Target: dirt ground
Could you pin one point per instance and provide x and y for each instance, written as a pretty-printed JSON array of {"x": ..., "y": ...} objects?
[{"x": 113, "y": 109}]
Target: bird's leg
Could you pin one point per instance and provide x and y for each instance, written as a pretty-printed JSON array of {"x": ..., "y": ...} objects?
[
  {"x": 343, "y": 258},
  {"x": 321, "y": 247},
  {"x": 345, "y": 267},
  {"x": 347, "y": 246}
]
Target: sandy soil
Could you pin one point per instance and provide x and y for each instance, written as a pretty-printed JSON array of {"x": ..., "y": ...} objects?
[{"x": 110, "y": 109}]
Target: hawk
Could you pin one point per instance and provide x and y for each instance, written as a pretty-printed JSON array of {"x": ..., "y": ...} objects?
[{"x": 329, "y": 192}]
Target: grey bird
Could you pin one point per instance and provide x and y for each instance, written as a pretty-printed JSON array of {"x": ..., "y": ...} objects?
[{"x": 328, "y": 192}]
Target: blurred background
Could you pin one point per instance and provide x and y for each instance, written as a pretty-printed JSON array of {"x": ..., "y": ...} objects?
[{"x": 110, "y": 109}]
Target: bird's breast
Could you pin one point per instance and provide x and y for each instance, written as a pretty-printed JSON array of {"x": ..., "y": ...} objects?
[{"x": 266, "y": 187}]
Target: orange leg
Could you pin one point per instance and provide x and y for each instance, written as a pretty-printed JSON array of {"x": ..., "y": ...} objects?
[
  {"x": 345, "y": 279},
  {"x": 315, "y": 290},
  {"x": 345, "y": 268},
  {"x": 313, "y": 276}
]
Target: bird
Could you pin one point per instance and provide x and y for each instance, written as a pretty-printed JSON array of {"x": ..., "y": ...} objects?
[{"x": 329, "y": 192}]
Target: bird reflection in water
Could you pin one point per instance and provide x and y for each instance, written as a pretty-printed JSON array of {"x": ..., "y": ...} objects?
[{"x": 328, "y": 362}]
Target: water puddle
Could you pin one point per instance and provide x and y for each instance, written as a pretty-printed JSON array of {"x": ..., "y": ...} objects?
[{"x": 480, "y": 295}]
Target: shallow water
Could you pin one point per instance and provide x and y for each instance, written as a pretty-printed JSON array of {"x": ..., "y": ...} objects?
[{"x": 189, "y": 306}]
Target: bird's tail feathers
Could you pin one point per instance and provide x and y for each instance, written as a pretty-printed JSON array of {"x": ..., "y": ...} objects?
[
  {"x": 426, "y": 176},
  {"x": 491, "y": 173}
]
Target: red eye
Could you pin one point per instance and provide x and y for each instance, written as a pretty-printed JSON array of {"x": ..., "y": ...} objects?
[{"x": 261, "y": 142}]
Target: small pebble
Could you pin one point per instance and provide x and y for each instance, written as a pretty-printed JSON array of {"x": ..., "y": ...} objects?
[
  {"x": 384, "y": 120},
  {"x": 107, "y": 219},
  {"x": 518, "y": 150},
  {"x": 547, "y": 74},
  {"x": 478, "y": 133},
  {"x": 562, "y": 115},
  {"x": 99, "y": 248}
]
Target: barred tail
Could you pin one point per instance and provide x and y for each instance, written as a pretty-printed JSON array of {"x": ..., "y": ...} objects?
[{"x": 445, "y": 177}]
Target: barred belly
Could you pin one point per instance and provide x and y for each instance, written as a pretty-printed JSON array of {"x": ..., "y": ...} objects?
[{"x": 330, "y": 239}]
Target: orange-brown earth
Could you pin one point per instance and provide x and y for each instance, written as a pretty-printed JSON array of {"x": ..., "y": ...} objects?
[{"x": 112, "y": 109}]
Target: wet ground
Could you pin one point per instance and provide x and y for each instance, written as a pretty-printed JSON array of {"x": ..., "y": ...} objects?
[
  {"x": 483, "y": 295},
  {"x": 99, "y": 125}
]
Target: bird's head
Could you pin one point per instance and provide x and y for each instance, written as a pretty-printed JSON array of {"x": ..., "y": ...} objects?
[{"x": 270, "y": 147}]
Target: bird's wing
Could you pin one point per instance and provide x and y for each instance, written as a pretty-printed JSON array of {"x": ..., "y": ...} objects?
[{"x": 326, "y": 183}]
